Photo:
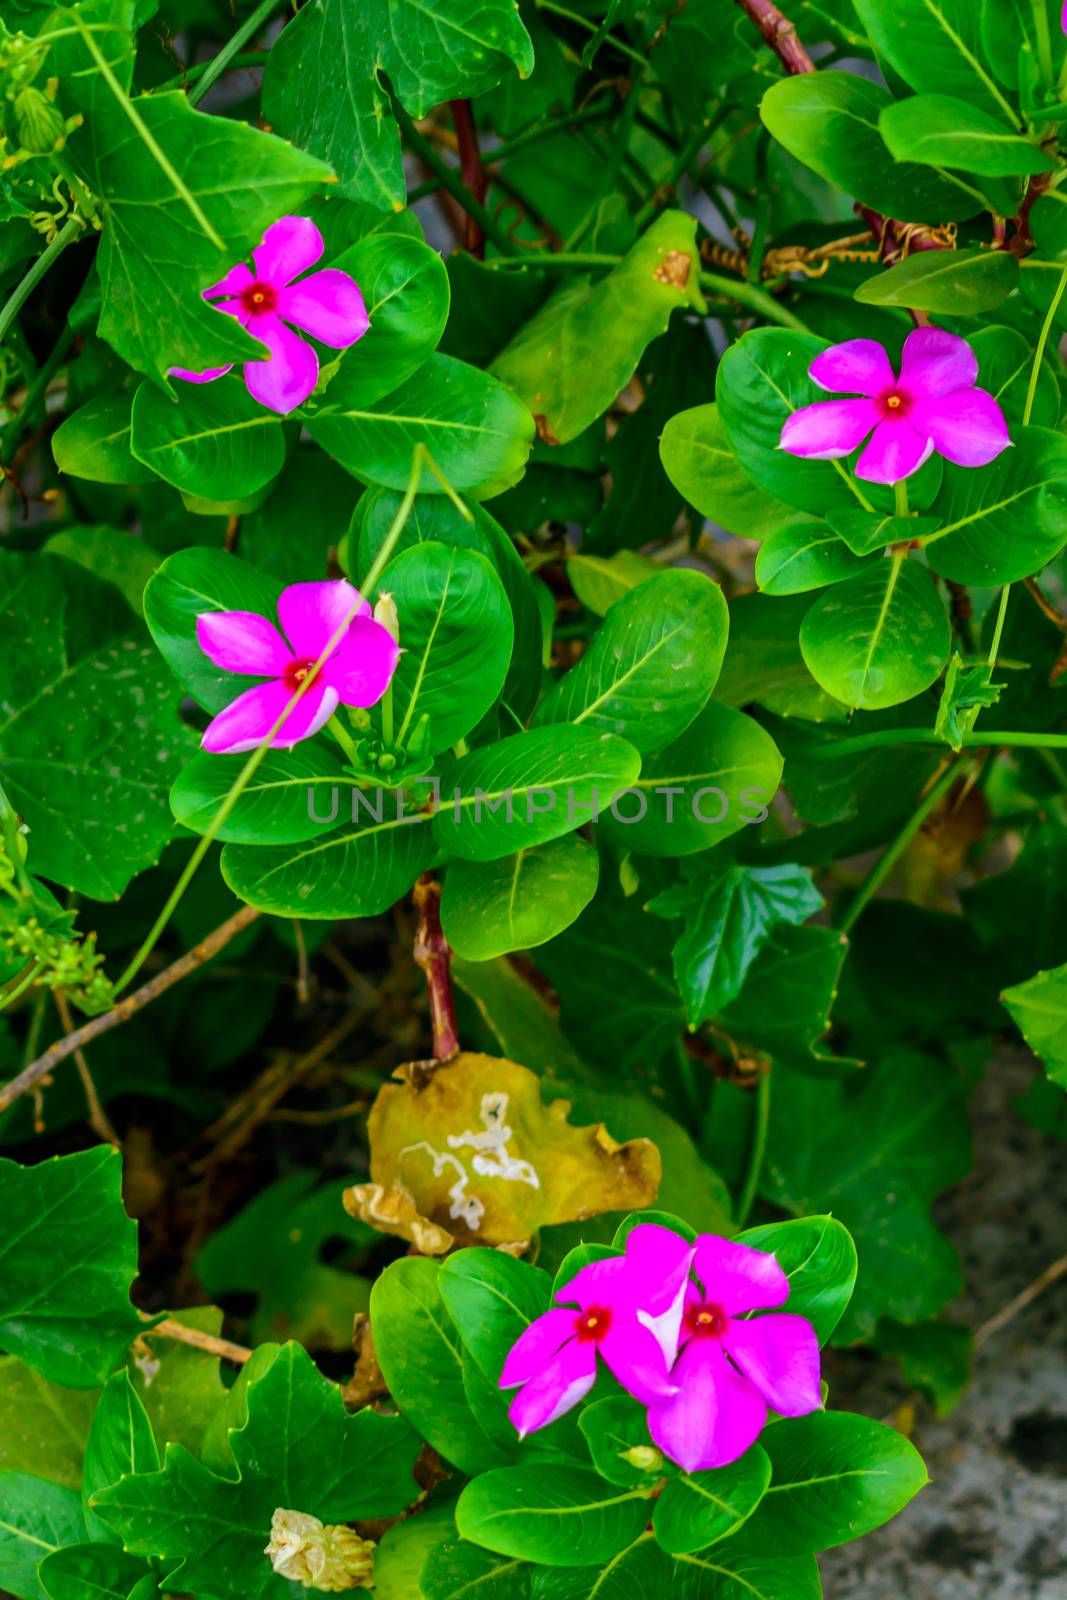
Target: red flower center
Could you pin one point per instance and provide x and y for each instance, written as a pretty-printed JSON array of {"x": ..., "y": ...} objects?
[
  {"x": 259, "y": 299},
  {"x": 895, "y": 404},
  {"x": 706, "y": 1321},
  {"x": 592, "y": 1323},
  {"x": 296, "y": 672}
]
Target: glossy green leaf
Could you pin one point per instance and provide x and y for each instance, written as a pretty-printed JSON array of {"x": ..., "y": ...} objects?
[
  {"x": 36, "y": 1518},
  {"x": 1039, "y": 1010},
  {"x": 962, "y": 283},
  {"x": 867, "y": 531},
  {"x": 116, "y": 556},
  {"x": 490, "y": 908},
  {"x": 939, "y": 131},
  {"x": 217, "y": 442},
  {"x": 935, "y": 46},
  {"x": 293, "y": 795},
  {"x": 29, "y": 1441},
  {"x": 697, "y": 1509},
  {"x": 1005, "y": 366},
  {"x": 575, "y": 354},
  {"x": 188, "y": 584},
  {"x": 818, "y": 1257},
  {"x": 699, "y": 461},
  {"x": 477, "y": 431},
  {"x": 599, "y": 581},
  {"x": 91, "y": 1572},
  {"x": 652, "y": 663},
  {"x": 492, "y": 1299},
  {"x": 121, "y": 1442},
  {"x": 616, "y": 1432},
  {"x": 558, "y": 1516},
  {"x": 529, "y": 789},
  {"x": 805, "y": 555},
  {"x": 461, "y": 1571},
  {"x": 1005, "y": 521},
  {"x": 784, "y": 1003},
  {"x": 431, "y": 52},
  {"x": 67, "y": 1313},
  {"x": 830, "y": 122},
  {"x": 94, "y": 443},
  {"x": 878, "y": 639}
]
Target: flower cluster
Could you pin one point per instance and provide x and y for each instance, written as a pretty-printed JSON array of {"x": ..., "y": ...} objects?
[
  {"x": 674, "y": 1323},
  {"x": 273, "y": 300},
  {"x": 330, "y": 616},
  {"x": 933, "y": 405}
]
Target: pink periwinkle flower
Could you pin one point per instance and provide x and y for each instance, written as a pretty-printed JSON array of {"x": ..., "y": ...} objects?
[
  {"x": 273, "y": 300},
  {"x": 932, "y": 405},
  {"x": 357, "y": 671},
  {"x": 732, "y": 1366},
  {"x": 626, "y": 1309}
]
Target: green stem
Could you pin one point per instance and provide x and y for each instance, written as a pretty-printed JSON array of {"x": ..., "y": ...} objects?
[
  {"x": 920, "y": 736},
  {"x": 1042, "y": 341},
  {"x": 183, "y": 80},
  {"x": 246, "y": 31},
  {"x": 900, "y": 495},
  {"x": 26, "y": 285},
  {"x": 337, "y": 728},
  {"x": 451, "y": 180},
  {"x": 11, "y": 995},
  {"x": 746, "y": 1198},
  {"x": 893, "y": 852},
  {"x": 1043, "y": 38},
  {"x": 591, "y": 27}
]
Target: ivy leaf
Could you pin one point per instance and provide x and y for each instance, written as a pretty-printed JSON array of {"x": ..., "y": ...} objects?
[
  {"x": 876, "y": 1150},
  {"x": 297, "y": 1448},
  {"x": 729, "y": 915},
  {"x": 66, "y": 1311},
  {"x": 1039, "y": 1010},
  {"x": 121, "y": 1441},
  {"x": 965, "y": 688},
  {"x": 89, "y": 732},
  {"x": 432, "y": 50},
  {"x": 91, "y": 1572}
]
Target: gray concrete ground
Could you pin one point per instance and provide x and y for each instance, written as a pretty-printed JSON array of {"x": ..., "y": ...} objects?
[{"x": 992, "y": 1524}]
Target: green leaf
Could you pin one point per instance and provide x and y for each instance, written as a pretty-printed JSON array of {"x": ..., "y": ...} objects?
[
  {"x": 454, "y": 612},
  {"x": 867, "y": 531},
  {"x": 175, "y": 226},
  {"x": 963, "y": 283},
  {"x": 935, "y": 45},
  {"x": 580, "y": 349},
  {"x": 43, "y": 1426},
  {"x": 89, "y": 731},
  {"x": 599, "y": 581},
  {"x": 489, "y": 909},
  {"x": 558, "y": 1516},
  {"x": 616, "y": 1431},
  {"x": 476, "y": 430},
  {"x": 879, "y": 639},
  {"x": 188, "y": 584},
  {"x": 461, "y": 1571},
  {"x": 763, "y": 661},
  {"x": 180, "y": 1386},
  {"x": 939, "y": 131},
  {"x": 356, "y": 871},
  {"x": 878, "y": 1148},
  {"x": 405, "y": 289},
  {"x": 1005, "y": 365},
  {"x": 784, "y": 1004},
  {"x": 965, "y": 688},
  {"x": 91, "y": 1572},
  {"x": 492, "y": 1298},
  {"x": 529, "y": 789},
  {"x": 699, "y": 461},
  {"x": 831, "y": 122},
  {"x": 217, "y": 442},
  {"x": 94, "y": 443},
  {"x": 1039, "y": 1010},
  {"x": 421, "y": 1355},
  {"x": 121, "y": 1442},
  {"x": 35, "y": 1518},
  {"x": 294, "y": 795},
  {"x": 313, "y": 494},
  {"x": 762, "y": 380},
  {"x": 1003, "y": 522},
  {"x": 431, "y": 52},
  {"x": 699, "y": 1508},
  {"x": 935, "y": 1357},
  {"x": 729, "y": 914},
  {"x": 296, "y": 1447},
  {"x": 116, "y": 556},
  {"x": 835, "y": 1478},
  {"x": 818, "y": 1257},
  {"x": 805, "y": 555},
  {"x": 652, "y": 664},
  {"x": 67, "y": 1312}
]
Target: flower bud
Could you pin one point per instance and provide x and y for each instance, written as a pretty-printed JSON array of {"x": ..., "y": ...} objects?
[
  {"x": 40, "y": 124},
  {"x": 329, "y": 1558},
  {"x": 644, "y": 1457},
  {"x": 386, "y": 613}
]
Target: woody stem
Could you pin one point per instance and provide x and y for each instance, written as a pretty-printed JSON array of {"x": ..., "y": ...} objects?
[{"x": 433, "y": 955}]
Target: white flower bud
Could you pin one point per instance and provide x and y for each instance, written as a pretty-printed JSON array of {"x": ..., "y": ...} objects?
[{"x": 329, "y": 1558}]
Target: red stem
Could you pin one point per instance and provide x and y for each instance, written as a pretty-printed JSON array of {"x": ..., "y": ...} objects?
[
  {"x": 471, "y": 171},
  {"x": 780, "y": 34},
  {"x": 433, "y": 955}
]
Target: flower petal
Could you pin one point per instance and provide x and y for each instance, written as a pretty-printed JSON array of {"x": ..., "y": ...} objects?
[
  {"x": 737, "y": 1277},
  {"x": 535, "y": 1346},
  {"x": 290, "y": 245},
  {"x": 659, "y": 1261},
  {"x": 245, "y": 723},
  {"x": 935, "y": 362},
  {"x": 238, "y": 278},
  {"x": 967, "y": 427},
  {"x": 780, "y": 1355},
  {"x": 556, "y": 1388},
  {"x": 858, "y": 366},
  {"x": 328, "y": 305},
  {"x": 716, "y": 1414},
  {"x": 311, "y": 614},
  {"x": 285, "y": 381},
  {"x": 207, "y": 376},
  {"x": 896, "y": 451},
  {"x": 828, "y": 429},
  {"x": 243, "y": 641},
  {"x": 362, "y": 667},
  {"x": 597, "y": 1284},
  {"x": 635, "y": 1357}
]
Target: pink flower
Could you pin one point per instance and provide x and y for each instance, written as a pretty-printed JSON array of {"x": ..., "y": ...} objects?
[
  {"x": 731, "y": 1367},
  {"x": 357, "y": 671},
  {"x": 626, "y": 1308},
  {"x": 933, "y": 405},
  {"x": 328, "y": 305}
]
